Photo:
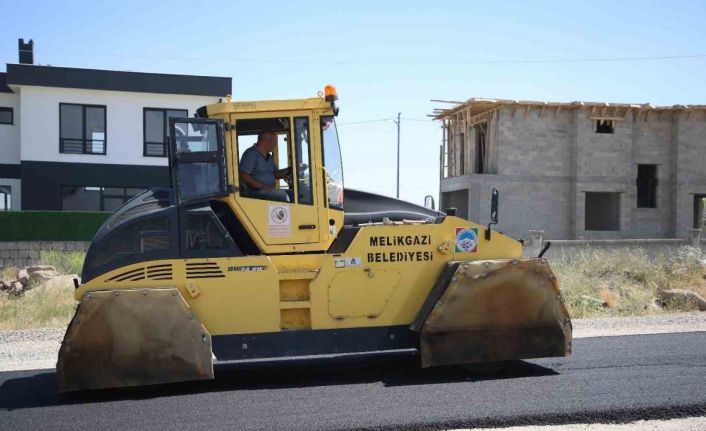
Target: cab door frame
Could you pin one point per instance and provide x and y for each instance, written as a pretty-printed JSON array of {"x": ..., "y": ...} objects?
[
  {"x": 249, "y": 207},
  {"x": 177, "y": 158}
]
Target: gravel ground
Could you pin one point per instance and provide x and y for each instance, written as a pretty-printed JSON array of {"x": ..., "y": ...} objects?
[
  {"x": 37, "y": 348},
  {"x": 659, "y": 324},
  {"x": 29, "y": 349},
  {"x": 667, "y": 425}
]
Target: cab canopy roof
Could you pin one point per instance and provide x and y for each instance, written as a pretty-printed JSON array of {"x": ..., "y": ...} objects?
[{"x": 230, "y": 107}]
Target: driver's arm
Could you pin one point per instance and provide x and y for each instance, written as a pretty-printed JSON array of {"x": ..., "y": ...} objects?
[
  {"x": 252, "y": 182},
  {"x": 283, "y": 173}
]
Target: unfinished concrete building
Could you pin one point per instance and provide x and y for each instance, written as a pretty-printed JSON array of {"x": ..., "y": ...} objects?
[{"x": 576, "y": 170}]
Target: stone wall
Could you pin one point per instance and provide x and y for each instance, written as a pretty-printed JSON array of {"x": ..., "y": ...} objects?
[
  {"x": 567, "y": 249},
  {"x": 25, "y": 253}
]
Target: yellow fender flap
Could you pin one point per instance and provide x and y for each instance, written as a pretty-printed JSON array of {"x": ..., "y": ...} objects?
[
  {"x": 133, "y": 337},
  {"x": 493, "y": 310}
]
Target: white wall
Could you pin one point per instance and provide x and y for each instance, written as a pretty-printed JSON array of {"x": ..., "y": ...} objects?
[
  {"x": 10, "y": 134},
  {"x": 124, "y": 112}
]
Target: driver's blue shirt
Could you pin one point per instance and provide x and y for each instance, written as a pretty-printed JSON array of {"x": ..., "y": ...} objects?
[{"x": 260, "y": 167}]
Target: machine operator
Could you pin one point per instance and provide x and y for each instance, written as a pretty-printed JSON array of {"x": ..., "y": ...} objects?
[{"x": 259, "y": 171}]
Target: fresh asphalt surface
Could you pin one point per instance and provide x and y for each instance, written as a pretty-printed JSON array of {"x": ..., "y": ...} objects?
[{"x": 607, "y": 379}]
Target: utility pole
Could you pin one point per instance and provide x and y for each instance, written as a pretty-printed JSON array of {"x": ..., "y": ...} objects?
[{"x": 398, "y": 155}]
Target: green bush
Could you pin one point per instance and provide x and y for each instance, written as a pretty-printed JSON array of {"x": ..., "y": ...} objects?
[{"x": 50, "y": 225}]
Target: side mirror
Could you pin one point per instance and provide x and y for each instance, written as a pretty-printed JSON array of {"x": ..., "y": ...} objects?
[
  {"x": 429, "y": 202},
  {"x": 494, "y": 203}
]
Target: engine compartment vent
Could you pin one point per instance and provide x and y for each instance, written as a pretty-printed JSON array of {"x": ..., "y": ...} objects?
[
  {"x": 159, "y": 272},
  {"x": 203, "y": 270},
  {"x": 131, "y": 275},
  {"x": 152, "y": 272}
]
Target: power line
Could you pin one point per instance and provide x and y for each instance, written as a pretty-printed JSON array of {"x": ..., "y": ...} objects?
[
  {"x": 425, "y": 120},
  {"x": 379, "y": 120},
  {"x": 365, "y": 121},
  {"x": 384, "y": 62}
]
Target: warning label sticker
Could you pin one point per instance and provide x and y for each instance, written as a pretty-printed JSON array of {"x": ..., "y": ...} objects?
[
  {"x": 347, "y": 262},
  {"x": 353, "y": 261},
  {"x": 279, "y": 220}
]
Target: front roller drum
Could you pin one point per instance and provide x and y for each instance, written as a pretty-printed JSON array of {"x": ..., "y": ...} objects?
[
  {"x": 133, "y": 337},
  {"x": 494, "y": 310}
]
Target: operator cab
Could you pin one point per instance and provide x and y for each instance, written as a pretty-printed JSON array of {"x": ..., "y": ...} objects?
[{"x": 284, "y": 194}]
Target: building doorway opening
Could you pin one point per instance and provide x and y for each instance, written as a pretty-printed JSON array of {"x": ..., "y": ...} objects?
[
  {"x": 457, "y": 199},
  {"x": 699, "y": 211}
]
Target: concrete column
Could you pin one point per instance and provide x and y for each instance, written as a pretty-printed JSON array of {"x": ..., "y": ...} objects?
[
  {"x": 536, "y": 241},
  {"x": 695, "y": 238}
]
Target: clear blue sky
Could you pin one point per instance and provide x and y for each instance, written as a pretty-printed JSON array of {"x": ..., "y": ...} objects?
[{"x": 384, "y": 58}]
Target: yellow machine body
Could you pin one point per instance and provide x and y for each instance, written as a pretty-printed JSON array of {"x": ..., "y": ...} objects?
[{"x": 315, "y": 286}]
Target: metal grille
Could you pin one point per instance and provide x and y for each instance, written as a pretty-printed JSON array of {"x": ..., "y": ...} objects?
[
  {"x": 203, "y": 270},
  {"x": 159, "y": 272}
]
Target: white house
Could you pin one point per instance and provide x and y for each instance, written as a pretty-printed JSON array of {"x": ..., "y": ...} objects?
[{"x": 86, "y": 139}]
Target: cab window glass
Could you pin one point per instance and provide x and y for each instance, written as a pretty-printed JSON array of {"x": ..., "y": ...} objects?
[
  {"x": 303, "y": 156},
  {"x": 143, "y": 236},
  {"x": 198, "y": 158},
  {"x": 195, "y": 137},
  {"x": 333, "y": 167},
  {"x": 264, "y": 169},
  {"x": 202, "y": 233},
  {"x": 198, "y": 179},
  {"x": 283, "y": 156}
]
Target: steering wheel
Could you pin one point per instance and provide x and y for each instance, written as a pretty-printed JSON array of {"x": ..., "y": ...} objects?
[{"x": 288, "y": 178}]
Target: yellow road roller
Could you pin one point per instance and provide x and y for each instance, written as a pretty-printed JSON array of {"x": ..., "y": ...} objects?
[{"x": 257, "y": 251}]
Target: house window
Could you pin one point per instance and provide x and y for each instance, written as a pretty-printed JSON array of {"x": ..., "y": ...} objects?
[
  {"x": 646, "y": 186},
  {"x": 602, "y": 211},
  {"x": 156, "y": 129},
  {"x": 605, "y": 126},
  {"x": 87, "y": 198},
  {"x": 6, "y": 115},
  {"x": 5, "y": 198},
  {"x": 82, "y": 129}
]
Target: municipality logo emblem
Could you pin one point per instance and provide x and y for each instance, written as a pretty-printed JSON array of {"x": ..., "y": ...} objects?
[{"x": 466, "y": 240}]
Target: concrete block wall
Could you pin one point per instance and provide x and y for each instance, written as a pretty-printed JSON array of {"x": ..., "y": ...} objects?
[
  {"x": 547, "y": 161},
  {"x": 25, "y": 253},
  {"x": 653, "y": 144},
  {"x": 532, "y": 146},
  {"x": 691, "y": 168},
  {"x": 603, "y": 162}
]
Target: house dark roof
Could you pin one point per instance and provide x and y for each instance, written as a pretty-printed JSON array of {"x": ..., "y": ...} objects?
[
  {"x": 3, "y": 84},
  {"x": 95, "y": 79}
]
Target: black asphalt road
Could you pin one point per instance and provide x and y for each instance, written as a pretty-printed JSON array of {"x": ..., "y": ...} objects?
[{"x": 607, "y": 379}]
